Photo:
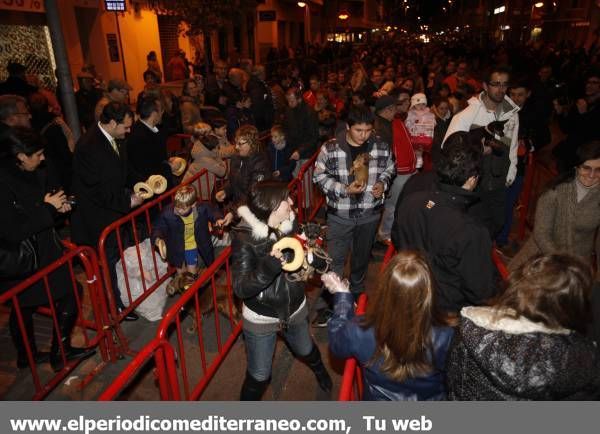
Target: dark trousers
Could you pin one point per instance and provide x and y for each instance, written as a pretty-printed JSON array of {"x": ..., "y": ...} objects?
[
  {"x": 512, "y": 196},
  {"x": 490, "y": 210}
]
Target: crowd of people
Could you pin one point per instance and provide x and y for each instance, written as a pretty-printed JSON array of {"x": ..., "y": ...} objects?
[{"x": 423, "y": 147}]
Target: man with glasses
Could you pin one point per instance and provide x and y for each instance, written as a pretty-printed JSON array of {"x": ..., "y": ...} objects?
[
  {"x": 580, "y": 123},
  {"x": 499, "y": 167}
]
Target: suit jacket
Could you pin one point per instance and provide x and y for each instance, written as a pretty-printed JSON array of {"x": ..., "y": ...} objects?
[
  {"x": 100, "y": 180},
  {"x": 147, "y": 152}
]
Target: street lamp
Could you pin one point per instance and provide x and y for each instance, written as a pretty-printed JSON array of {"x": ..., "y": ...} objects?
[
  {"x": 306, "y": 23},
  {"x": 537, "y": 5},
  {"x": 343, "y": 16}
]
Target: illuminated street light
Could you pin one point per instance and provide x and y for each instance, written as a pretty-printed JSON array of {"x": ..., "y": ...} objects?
[
  {"x": 301, "y": 4},
  {"x": 343, "y": 16},
  {"x": 539, "y": 5}
]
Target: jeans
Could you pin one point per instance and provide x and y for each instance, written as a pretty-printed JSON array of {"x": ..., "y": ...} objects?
[
  {"x": 385, "y": 228},
  {"x": 512, "y": 196},
  {"x": 261, "y": 347}
]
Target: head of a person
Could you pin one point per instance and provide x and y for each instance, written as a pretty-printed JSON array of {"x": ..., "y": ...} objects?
[
  {"x": 359, "y": 125},
  {"x": 321, "y": 98},
  {"x": 85, "y": 80},
  {"x": 332, "y": 78},
  {"x": 200, "y": 130},
  {"x": 520, "y": 92},
  {"x": 385, "y": 107},
  {"x": 118, "y": 90},
  {"x": 444, "y": 90},
  {"x": 184, "y": 200},
  {"x": 459, "y": 163},
  {"x": 496, "y": 84},
  {"x": 408, "y": 85},
  {"x": 411, "y": 68},
  {"x": 278, "y": 134},
  {"x": 14, "y": 111},
  {"x": 545, "y": 73},
  {"x": 442, "y": 106},
  {"x": 376, "y": 76},
  {"x": 116, "y": 119},
  {"x": 151, "y": 56},
  {"x": 462, "y": 69},
  {"x": 219, "y": 126},
  {"x": 390, "y": 73},
  {"x": 588, "y": 164},
  {"x": 402, "y": 327},
  {"x": 38, "y": 103},
  {"x": 592, "y": 85},
  {"x": 16, "y": 69},
  {"x": 293, "y": 97},
  {"x": 247, "y": 140},
  {"x": 358, "y": 99},
  {"x": 150, "y": 78},
  {"x": 190, "y": 88},
  {"x": 236, "y": 77},
  {"x": 418, "y": 101},
  {"x": 270, "y": 202},
  {"x": 151, "y": 110},
  {"x": 260, "y": 72},
  {"x": 403, "y": 101},
  {"x": 314, "y": 83},
  {"x": 450, "y": 67},
  {"x": 221, "y": 68},
  {"x": 24, "y": 147},
  {"x": 553, "y": 289}
]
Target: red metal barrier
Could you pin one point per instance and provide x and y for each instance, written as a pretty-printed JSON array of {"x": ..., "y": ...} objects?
[
  {"x": 176, "y": 378},
  {"x": 135, "y": 227},
  {"x": 86, "y": 258},
  {"x": 306, "y": 194},
  {"x": 351, "y": 388}
]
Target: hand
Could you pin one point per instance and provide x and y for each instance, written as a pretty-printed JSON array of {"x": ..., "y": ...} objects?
[
  {"x": 295, "y": 156},
  {"x": 222, "y": 100},
  {"x": 225, "y": 221},
  {"x": 509, "y": 181},
  {"x": 334, "y": 283},
  {"x": 136, "y": 200},
  {"x": 582, "y": 106},
  {"x": 66, "y": 207},
  {"x": 220, "y": 195},
  {"x": 487, "y": 150},
  {"x": 558, "y": 108},
  {"x": 378, "y": 190},
  {"x": 276, "y": 253},
  {"x": 276, "y": 174},
  {"x": 355, "y": 188},
  {"x": 57, "y": 200}
]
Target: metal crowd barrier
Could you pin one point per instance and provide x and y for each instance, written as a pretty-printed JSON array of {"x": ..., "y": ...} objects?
[
  {"x": 130, "y": 231},
  {"x": 351, "y": 388},
  {"x": 307, "y": 195},
  {"x": 172, "y": 350},
  {"x": 92, "y": 324}
]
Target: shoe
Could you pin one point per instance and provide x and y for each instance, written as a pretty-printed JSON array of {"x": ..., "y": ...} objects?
[
  {"x": 131, "y": 316},
  {"x": 71, "y": 353},
  {"x": 322, "y": 318},
  {"x": 315, "y": 363}
]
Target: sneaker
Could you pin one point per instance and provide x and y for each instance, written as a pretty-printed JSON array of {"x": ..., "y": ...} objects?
[{"x": 322, "y": 318}]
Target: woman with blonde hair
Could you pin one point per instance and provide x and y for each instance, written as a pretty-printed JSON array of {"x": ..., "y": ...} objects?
[{"x": 401, "y": 341}]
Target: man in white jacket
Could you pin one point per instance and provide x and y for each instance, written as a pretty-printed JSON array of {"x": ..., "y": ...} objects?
[{"x": 499, "y": 163}]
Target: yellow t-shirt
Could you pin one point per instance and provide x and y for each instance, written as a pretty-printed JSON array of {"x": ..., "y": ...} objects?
[{"x": 189, "y": 240}]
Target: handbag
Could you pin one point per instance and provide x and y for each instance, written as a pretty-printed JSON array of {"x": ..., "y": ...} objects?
[{"x": 18, "y": 260}]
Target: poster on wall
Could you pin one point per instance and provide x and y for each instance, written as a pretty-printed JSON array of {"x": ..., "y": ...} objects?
[
  {"x": 113, "y": 48},
  {"x": 115, "y": 5}
]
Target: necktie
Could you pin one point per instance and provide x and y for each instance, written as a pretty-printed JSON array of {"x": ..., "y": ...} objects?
[{"x": 114, "y": 145}]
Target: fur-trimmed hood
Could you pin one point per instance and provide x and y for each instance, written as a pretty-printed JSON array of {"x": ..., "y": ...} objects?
[
  {"x": 497, "y": 320},
  {"x": 259, "y": 229}
]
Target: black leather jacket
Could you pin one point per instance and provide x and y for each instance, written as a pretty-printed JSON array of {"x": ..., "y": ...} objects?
[{"x": 257, "y": 276}]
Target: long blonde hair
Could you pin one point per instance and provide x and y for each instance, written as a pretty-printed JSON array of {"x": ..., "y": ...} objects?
[{"x": 401, "y": 313}]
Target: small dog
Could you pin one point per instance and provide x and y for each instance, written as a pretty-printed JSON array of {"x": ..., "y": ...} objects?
[{"x": 360, "y": 168}]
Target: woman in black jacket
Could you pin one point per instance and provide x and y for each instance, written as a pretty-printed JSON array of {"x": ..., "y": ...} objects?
[
  {"x": 273, "y": 299},
  {"x": 249, "y": 166},
  {"x": 29, "y": 208}
]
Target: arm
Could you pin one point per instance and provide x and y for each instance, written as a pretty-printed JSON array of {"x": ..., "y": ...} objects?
[
  {"x": 16, "y": 226},
  {"x": 545, "y": 216},
  {"x": 330, "y": 186},
  {"x": 253, "y": 274},
  {"x": 389, "y": 172},
  {"x": 340, "y": 327}
]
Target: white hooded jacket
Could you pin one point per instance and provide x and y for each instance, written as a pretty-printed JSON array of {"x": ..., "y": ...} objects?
[{"x": 476, "y": 114}]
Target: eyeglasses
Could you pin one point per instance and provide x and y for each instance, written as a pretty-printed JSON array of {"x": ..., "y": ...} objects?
[
  {"x": 587, "y": 170},
  {"x": 503, "y": 85}
]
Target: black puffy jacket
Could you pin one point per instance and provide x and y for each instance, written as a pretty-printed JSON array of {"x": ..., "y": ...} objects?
[
  {"x": 517, "y": 359},
  {"x": 244, "y": 173},
  {"x": 258, "y": 278}
]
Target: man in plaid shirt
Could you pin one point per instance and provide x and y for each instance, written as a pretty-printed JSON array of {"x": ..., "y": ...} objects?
[{"x": 353, "y": 207}]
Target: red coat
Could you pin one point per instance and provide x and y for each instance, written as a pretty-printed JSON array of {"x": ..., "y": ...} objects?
[{"x": 406, "y": 160}]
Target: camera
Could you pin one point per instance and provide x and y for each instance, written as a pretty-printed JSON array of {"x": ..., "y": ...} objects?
[{"x": 71, "y": 200}]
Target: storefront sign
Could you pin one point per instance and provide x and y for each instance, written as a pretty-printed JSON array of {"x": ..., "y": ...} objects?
[
  {"x": 23, "y": 5},
  {"x": 115, "y": 5},
  {"x": 113, "y": 48}
]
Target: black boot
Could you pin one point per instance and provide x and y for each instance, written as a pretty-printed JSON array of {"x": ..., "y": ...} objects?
[
  {"x": 314, "y": 362},
  {"x": 252, "y": 389},
  {"x": 66, "y": 323},
  {"x": 19, "y": 340}
]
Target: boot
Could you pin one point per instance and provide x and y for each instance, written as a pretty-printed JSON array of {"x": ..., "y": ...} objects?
[
  {"x": 66, "y": 323},
  {"x": 19, "y": 340},
  {"x": 252, "y": 389},
  {"x": 314, "y": 362}
]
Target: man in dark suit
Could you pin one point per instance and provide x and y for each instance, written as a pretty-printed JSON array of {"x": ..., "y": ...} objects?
[
  {"x": 147, "y": 144},
  {"x": 100, "y": 184}
]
